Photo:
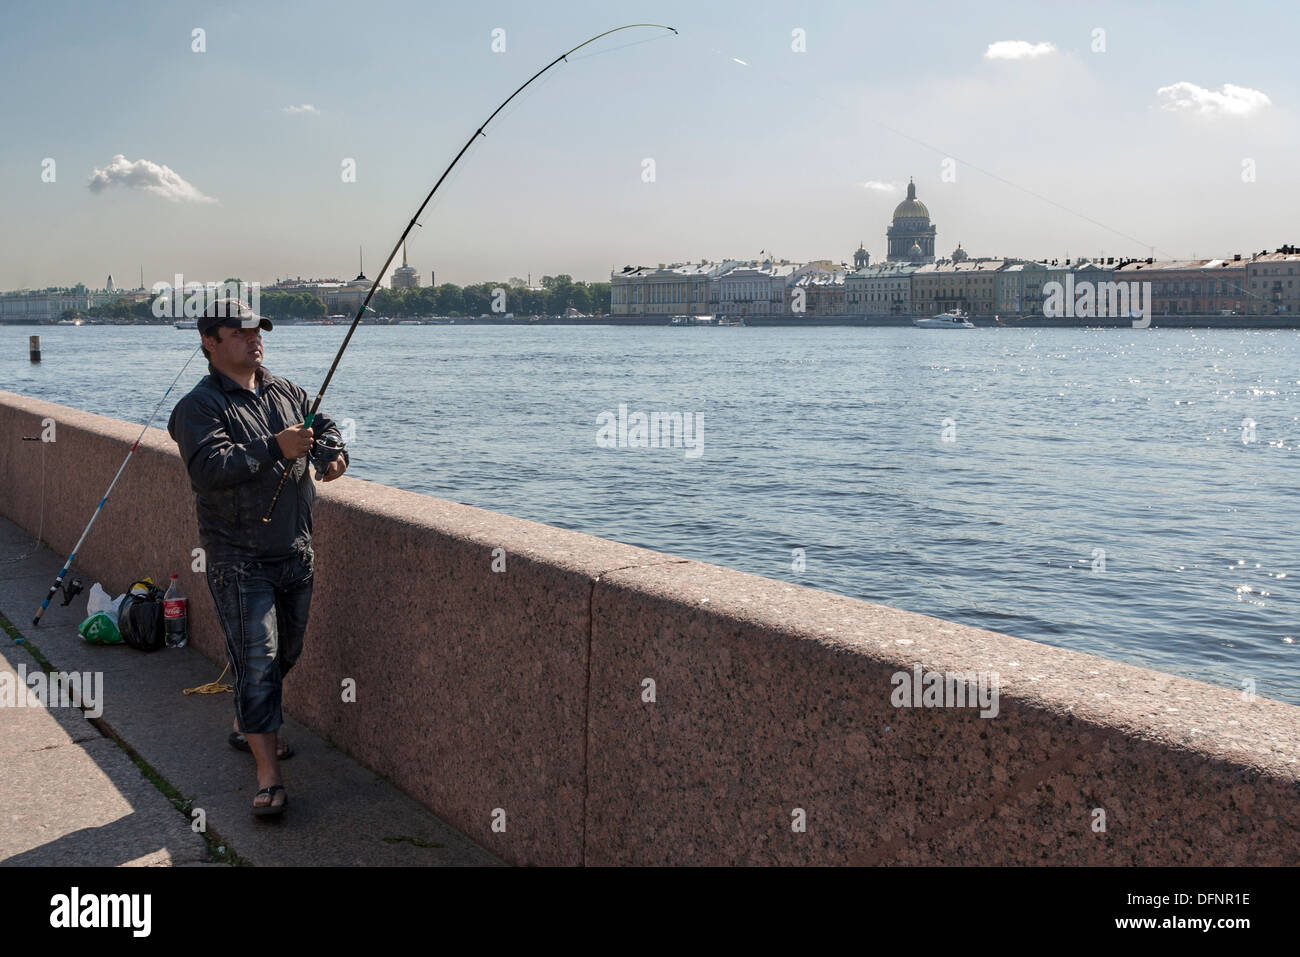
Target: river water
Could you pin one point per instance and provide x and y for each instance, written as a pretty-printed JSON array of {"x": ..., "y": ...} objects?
[{"x": 1128, "y": 493}]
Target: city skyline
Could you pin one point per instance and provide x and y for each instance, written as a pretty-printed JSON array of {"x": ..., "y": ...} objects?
[
  {"x": 910, "y": 222},
  {"x": 789, "y": 132}
]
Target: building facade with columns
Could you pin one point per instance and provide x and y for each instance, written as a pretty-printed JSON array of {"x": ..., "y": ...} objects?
[
  {"x": 817, "y": 292},
  {"x": 671, "y": 289},
  {"x": 1272, "y": 282},
  {"x": 1190, "y": 287},
  {"x": 339, "y": 297},
  {"x": 45, "y": 306},
  {"x": 884, "y": 289},
  {"x": 762, "y": 288},
  {"x": 970, "y": 286},
  {"x": 729, "y": 288}
]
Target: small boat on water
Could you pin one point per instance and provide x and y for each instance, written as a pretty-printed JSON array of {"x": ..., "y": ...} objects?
[
  {"x": 945, "y": 320},
  {"x": 187, "y": 324}
]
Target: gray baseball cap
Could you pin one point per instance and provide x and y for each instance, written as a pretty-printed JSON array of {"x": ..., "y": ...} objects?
[{"x": 231, "y": 313}]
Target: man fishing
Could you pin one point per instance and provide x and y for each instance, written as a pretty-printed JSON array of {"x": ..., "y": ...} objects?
[{"x": 239, "y": 430}]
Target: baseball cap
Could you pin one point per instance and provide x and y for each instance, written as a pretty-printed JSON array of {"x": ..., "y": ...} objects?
[{"x": 231, "y": 313}]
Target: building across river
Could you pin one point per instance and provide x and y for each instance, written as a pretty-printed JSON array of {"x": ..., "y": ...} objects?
[{"x": 912, "y": 282}]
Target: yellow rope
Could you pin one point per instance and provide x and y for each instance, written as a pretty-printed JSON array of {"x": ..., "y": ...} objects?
[{"x": 213, "y": 687}]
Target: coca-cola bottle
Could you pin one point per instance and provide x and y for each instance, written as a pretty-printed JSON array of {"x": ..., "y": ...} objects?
[{"x": 175, "y": 619}]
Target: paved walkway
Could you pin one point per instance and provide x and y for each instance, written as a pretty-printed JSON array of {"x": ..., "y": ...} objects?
[{"x": 71, "y": 793}]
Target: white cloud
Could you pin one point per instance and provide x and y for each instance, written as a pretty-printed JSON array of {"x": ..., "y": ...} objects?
[
  {"x": 148, "y": 176},
  {"x": 880, "y": 187},
  {"x": 1018, "y": 50},
  {"x": 1229, "y": 101},
  {"x": 305, "y": 108}
]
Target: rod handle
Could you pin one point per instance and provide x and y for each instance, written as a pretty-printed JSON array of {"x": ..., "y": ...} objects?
[{"x": 284, "y": 476}]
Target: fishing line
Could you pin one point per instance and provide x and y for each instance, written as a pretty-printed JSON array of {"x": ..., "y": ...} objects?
[
  {"x": 458, "y": 174},
  {"x": 58, "y": 582},
  {"x": 527, "y": 96},
  {"x": 311, "y": 415},
  {"x": 621, "y": 46}
]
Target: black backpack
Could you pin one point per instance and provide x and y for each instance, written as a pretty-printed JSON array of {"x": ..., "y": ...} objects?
[{"x": 140, "y": 620}]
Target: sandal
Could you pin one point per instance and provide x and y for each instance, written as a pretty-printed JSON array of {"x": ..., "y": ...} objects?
[
  {"x": 272, "y": 809},
  {"x": 237, "y": 741}
]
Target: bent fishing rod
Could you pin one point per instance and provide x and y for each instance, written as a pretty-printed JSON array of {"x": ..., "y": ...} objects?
[
  {"x": 58, "y": 582},
  {"x": 311, "y": 415}
]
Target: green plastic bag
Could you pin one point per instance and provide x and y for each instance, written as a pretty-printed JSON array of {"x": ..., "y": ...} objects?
[{"x": 100, "y": 629}]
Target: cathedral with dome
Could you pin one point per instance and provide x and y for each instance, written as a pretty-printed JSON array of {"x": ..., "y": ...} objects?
[{"x": 910, "y": 236}]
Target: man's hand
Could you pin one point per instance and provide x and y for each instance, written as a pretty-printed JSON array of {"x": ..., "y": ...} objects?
[
  {"x": 295, "y": 441},
  {"x": 336, "y": 468}
]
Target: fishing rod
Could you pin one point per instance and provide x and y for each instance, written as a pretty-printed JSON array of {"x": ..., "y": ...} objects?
[
  {"x": 58, "y": 582},
  {"x": 311, "y": 415}
]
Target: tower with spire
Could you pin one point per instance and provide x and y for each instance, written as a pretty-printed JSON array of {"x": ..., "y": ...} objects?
[{"x": 405, "y": 276}]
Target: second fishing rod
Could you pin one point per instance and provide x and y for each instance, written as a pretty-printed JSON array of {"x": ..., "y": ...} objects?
[{"x": 311, "y": 415}]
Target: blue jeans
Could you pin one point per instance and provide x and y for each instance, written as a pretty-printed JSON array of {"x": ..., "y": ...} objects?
[{"x": 263, "y": 608}]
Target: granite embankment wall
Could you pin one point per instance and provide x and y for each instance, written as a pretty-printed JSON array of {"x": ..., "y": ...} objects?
[{"x": 524, "y": 690}]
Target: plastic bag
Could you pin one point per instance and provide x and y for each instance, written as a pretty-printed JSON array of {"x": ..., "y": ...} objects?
[
  {"x": 100, "y": 629},
  {"x": 99, "y": 601}
]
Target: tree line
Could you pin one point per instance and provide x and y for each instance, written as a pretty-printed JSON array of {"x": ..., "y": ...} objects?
[{"x": 557, "y": 294}]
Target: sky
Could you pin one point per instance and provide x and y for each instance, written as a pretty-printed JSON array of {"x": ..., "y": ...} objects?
[{"x": 1041, "y": 129}]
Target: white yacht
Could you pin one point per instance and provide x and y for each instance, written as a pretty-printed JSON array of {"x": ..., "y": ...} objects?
[{"x": 945, "y": 320}]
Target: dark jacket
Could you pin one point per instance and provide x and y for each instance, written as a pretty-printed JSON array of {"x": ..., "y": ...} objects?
[{"x": 227, "y": 440}]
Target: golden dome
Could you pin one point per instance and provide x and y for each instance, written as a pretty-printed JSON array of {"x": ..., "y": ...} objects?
[{"x": 911, "y": 208}]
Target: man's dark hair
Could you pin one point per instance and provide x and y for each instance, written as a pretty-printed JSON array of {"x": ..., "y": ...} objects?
[{"x": 215, "y": 334}]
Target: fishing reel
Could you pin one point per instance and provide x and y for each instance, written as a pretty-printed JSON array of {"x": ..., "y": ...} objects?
[
  {"x": 323, "y": 452},
  {"x": 71, "y": 590}
]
